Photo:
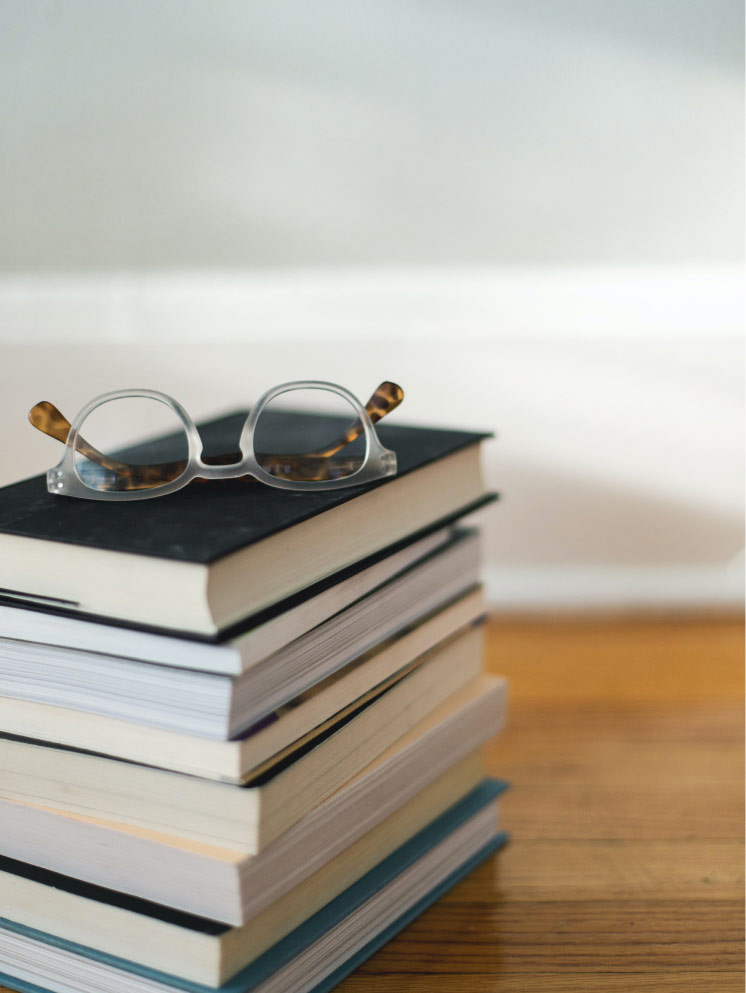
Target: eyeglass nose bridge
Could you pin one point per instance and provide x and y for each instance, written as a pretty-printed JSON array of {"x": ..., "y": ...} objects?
[{"x": 245, "y": 466}]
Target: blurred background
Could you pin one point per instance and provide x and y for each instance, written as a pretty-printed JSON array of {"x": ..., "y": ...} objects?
[{"x": 531, "y": 207}]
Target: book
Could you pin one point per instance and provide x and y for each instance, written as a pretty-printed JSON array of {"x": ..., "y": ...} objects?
[
  {"x": 213, "y": 554},
  {"x": 315, "y": 955},
  {"x": 227, "y": 885},
  {"x": 219, "y": 705},
  {"x": 292, "y": 727},
  {"x": 194, "y": 948},
  {"x": 248, "y": 817},
  {"x": 233, "y": 650}
]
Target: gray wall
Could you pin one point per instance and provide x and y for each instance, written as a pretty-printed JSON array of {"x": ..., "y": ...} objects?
[{"x": 180, "y": 134}]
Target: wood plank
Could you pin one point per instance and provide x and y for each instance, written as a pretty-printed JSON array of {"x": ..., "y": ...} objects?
[
  {"x": 657, "y": 744},
  {"x": 549, "y": 939},
  {"x": 570, "y": 982},
  {"x": 598, "y": 660},
  {"x": 625, "y": 869},
  {"x": 604, "y": 869},
  {"x": 645, "y": 810}
]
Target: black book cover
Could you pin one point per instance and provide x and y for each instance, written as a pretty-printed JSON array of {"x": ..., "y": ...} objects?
[{"x": 205, "y": 521}]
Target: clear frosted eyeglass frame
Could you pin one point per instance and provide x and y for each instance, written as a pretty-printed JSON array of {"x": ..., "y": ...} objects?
[{"x": 377, "y": 462}]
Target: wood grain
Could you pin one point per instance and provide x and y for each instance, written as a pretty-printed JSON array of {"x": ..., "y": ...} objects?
[
  {"x": 625, "y": 869},
  {"x": 624, "y": 873}
]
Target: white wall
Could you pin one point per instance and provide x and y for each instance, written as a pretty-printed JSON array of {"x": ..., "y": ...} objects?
[
  {"x": 532, "y": 206},
  {"x": 182, "y": 133},
  {"x": 620, "y": 455}
]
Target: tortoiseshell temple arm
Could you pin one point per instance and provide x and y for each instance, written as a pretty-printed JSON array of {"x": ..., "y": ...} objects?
[
  {"x": 311, "y": 466},
  {"x": 50, "y": 421},
  {"x": 385, "y": 398}
]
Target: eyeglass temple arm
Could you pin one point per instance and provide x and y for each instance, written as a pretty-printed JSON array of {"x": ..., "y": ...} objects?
[
  {"x": 384, "y": 399},
  {"x": 45, "y": 417}
]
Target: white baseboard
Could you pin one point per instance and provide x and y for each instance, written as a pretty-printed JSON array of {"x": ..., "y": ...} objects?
[
  {"x": 417, "y": 304},
  {"x": 614, "y": 588}
]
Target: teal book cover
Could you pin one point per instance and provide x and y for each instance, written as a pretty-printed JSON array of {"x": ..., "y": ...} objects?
[{"x": 312, "y": 930}]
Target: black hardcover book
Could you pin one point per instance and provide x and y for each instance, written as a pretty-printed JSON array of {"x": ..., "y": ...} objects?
[{"x": 208, "y": 556}]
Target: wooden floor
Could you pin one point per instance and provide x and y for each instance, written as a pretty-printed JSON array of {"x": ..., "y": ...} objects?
[{"x": 624, "y": 872}]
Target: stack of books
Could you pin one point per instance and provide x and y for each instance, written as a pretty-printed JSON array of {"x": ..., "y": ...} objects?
[{"x": 240, "y": 728}]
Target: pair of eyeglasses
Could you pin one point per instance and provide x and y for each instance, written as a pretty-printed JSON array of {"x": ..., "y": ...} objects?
[{"x": 325, "y": 441}]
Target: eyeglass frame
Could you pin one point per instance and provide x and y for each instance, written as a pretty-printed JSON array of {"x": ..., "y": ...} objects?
[{"x": 378, "y": 462}]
